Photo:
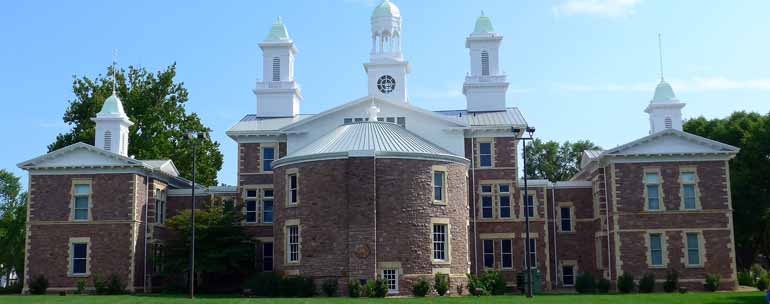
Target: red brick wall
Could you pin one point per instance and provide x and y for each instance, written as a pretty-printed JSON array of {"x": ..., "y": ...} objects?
[
  {"x": 580, "y": 244},
  {"x": 112, "y": 196}
]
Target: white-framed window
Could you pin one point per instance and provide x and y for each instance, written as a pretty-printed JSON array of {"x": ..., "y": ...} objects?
[
  {"x": 565, "y": 219},
  {"x": 440, "y": 248},
  {"x": 439, "y": 186},
  {"x": 485, "y": 154},
  {"x": 268, "y": 156},
  {"x": 568, "y": 275},
  {"x": 652, "y": 187},
  {"x": 81, "y": 200},
  {"x": 390, "y": 276},
  {"x": 688, "y": 180},
  {"x": 267, "y": 256},
  {"x": 160, "y": 206},
  {"x": 693, "y": 249},
  {"x": 347, "y": 121},
  {"x": 532, "y": 253},
  {"x": 267, "y": 206},
  {"x": 251, "y": 201},
  {"x": 292, "y": 187},
  {"x": 506, "y": 254},
  {"x": 656, "y": 249},
  {"x": 276, "y": 69},
  {"x": 292, "y": 242},
  {"x": 484, "y": 63},
  {"x": 401, "y": 120},
  {"x": 489, "y": 253},
  {"x": 79, "y": 257},
  {"x": 529, "y": 207},
  {"x": 487, "y": 206},
  {"x": 504, "y": 198}
]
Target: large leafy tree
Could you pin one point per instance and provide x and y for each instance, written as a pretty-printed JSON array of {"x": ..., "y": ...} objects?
[
  {"x": 13, "y": 223},
  {"x": 749, "y": 177},
  {"x": 155, "y": 103},
  {"x": 553, "y": 161}
]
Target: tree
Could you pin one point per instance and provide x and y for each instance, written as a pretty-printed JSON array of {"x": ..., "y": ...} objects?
[
  {"x": 13, "y": 224},
  {"x": 749, "y": 177},
  {"x": 155, "y": 103},
  {"x": 554, "y": 162},
  {"x": 223, "y": 249}
]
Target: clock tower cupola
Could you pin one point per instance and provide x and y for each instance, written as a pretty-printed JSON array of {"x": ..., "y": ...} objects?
[{"x": 386, "y": 68}]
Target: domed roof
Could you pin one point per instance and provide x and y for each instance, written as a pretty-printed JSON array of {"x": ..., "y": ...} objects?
[
  {"x": 112, "y": 105},
  {"x": 664, "y": 93},
  {"x": 370, "y": 139},
  {"x": 483, "y": 25},
  {"x": 386, "y": 9},
  {"x": 278, "y": 31}
]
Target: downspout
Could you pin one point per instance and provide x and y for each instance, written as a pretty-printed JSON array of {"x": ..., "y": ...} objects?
[
  {"x": 374, "y": 195},
  {"x": 555, "y": 236},
  {"x": 473, "y": 194},
  {"x": 607, "y": 214}
]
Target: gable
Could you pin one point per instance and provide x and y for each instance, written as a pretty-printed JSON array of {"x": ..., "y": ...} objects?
[
  {"x": 672, "y": 142},
  {"x": 79, "y": 155}
]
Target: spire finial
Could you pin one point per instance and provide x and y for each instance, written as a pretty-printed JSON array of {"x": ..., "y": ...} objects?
[
  {"x": 660, "y": 53},
  {"x": 373, "y": 111},
  {"x": 114, "y": 73}
]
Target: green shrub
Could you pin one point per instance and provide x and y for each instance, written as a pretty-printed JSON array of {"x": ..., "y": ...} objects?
[
  {"x": 38, "y": 285},
  {"x": 264, "y": 284},
  {"x": 459, "y": 288},
  {"x": 647, "y": 283},
  {"x": 585, "y": 283},
  {"x": 672, "y": 281},
  {"x": 441, "y": 284},
  {"x": 329, "y": 287},
  {"x": 712, "y": 282},
  {"x": 297, "y": 286},
  {"x": 11, "y": 289},
  {"x": 746, "y": 278},
  {"x": 81, "y": 288},
  {"x": 475, "y": 286},
  {"x": 757, "y": 272},
  {"x": 376, "y": 289},
  {"x": 420, "y": 288},
  {"x": 354, "y": 289},
  {"x": 493, "y": 282},
  {"x": 113, "y": 285},
  {"x": 603, "y": 285},
  {"x": 626, "y": 283},
  {"x": 763, "y": 282}
]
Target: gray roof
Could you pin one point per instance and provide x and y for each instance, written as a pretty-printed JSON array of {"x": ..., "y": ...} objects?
[
  {"x": 507, "y": 118},
  {"x": 370, "y": 138},
  {"x": 204, "y": 191},
  {"x": 254, "y": 123}
]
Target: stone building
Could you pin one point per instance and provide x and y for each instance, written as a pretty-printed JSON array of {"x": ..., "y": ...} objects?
[{"x": 379, "y": 188}]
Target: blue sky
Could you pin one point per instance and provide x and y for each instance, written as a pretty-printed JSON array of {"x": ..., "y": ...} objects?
[{"x": 578, "y": 69}]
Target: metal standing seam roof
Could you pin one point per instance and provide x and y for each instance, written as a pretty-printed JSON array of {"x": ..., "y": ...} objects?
[
  {"x": 370, "y": 138},
  {"x": 509, "y": 117},
  {"x": 252, "y": 122}
]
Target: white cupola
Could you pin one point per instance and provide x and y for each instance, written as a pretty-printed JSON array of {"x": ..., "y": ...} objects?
[
  {"x": 386, "y": 68},
  {"x": 665, "y": 109},
  {"x": 278, "y": 95},
  {"x": 112, "y": 125},
  {"x": 485, "y": 86}
]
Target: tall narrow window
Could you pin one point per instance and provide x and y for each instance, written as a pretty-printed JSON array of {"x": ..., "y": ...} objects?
[
  {"x": 82, "y": 201},
  {"x": 529, "y": 207},
  {"x": 268, "y": 155},
  {"x": 439, "y": 242},
  {"x": 532, "y": 253},
  {"x": 484, "y": 63},
  {"x": 267, "y": 256},
  {"x": 80, "y": 258},
  {"x": 485, "y": 154},
  {"x": 160, "y": 206},
  {"x": 504, "y": 197},
  {"x": 568, "y": 275},
  {"x": 566, "y": 219},
  {"x": 652, "y": 183},
  {"x": 687, "y": 180},
  {"x": 486, "y": 202},
  {"x": 251, "y": 206},
  {"x": 107, "y": 140},
  {"x": 267, "y": 206},
  {"x": 506, "y": 253},
  {"x": 489, "y": 253},
  {"x": 390, "y": 276},
  {"x": 276, "y": 69},
  {"x": 292, "y": 240},
  {"x": 439, "y": 189},
  {"x": 293, "y": 187},
  {"x": 656, "y": 249},
  {"x": 693, "y": 250}
]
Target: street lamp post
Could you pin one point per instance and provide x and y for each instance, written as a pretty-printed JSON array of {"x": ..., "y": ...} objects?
[
  {"x": 527, "y": 255},
  {"x": 192, "y": 138}
]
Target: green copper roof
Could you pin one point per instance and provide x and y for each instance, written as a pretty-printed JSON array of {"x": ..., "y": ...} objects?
[
  {"x": 386, "y": 9},
  {"x": 112, "y": 105},
  {"x": 664, "y": 93},
  {"x": 483, "y": 25},
  {"x": 278, "y": 31}
]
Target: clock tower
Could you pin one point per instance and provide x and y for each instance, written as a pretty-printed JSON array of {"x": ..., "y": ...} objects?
[{"x": 386, "y": 68}]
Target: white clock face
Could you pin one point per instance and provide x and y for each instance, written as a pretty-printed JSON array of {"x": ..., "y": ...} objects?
[{"x": 386, "y": 84}]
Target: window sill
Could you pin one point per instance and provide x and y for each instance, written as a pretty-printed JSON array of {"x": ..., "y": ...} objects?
[
  {"x": 292, "y": 205},
  {"x": 78, "y": 275},
  {"x": 441, "y": 262},
  {"x": 568, "y": 232},
  {"x": 694, "y": 266},
  {"x": 440, "y": 203},
  {"x": 657, "y": 267},
  {"x": 506, "y": 269}
]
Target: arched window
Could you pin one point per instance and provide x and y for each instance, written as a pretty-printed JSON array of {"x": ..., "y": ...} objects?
[
  {"x": 484, "y": 63},
  {"x": 276, "y": 69},
  {"x": 668, "y": 123},
  {"x": 107, "y": 140}
]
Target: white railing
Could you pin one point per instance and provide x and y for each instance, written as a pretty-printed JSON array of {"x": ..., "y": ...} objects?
[
  {"x": 276, "y": 85},
  {"x": 487, "y": 78}
]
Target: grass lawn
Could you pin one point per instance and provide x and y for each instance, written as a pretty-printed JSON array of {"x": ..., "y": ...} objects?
[{"x": 660, "y": 298}]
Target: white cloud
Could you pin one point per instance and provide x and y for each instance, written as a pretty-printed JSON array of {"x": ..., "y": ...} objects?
[
  {"x": 694, "y": 84},
  {"x": 606, "y": 8}
]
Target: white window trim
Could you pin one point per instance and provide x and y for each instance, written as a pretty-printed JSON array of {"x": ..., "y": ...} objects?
[
  {"x": 396, "y": 272},
  {"x": 499, "y": 196},
  {"x": 444, "y": 191},
  {"x": 526, "y": 254},
  {"x": 663, "y": 248},
  {"x": 160, "y": 205},
  {"x": 287, "y": 256},
  {"x": 262, "y": 147},
  {"x": 491, "y": 142},
  {"x": 694, "y": 171},
  {"x": 71, "y": 256},
  {"x": 261, "y": 207},
  {"x": 571, "y": 208},
  {"x": 701, "y": 249},
  {"x": 574, "y": 265},
  {"x": 447, "y": 243},
  {"x": 482, "y": 195},
  {"x": 289, "y": 173},
  {"x": 484, "y": 254},
  {"x": 535, "y": 205},
  {"x": 661, "y": 196},
  {"x": 502, "y": 266},
  {"x": 256, "y": 199},
  {"x": 81, "y": 181}
]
